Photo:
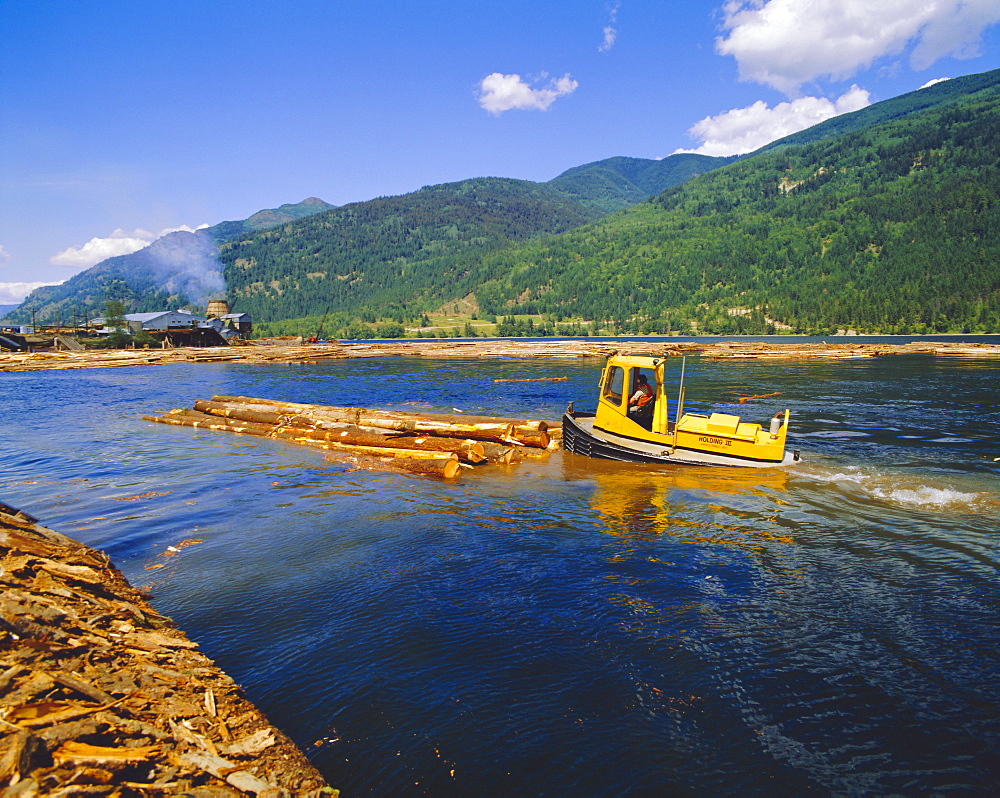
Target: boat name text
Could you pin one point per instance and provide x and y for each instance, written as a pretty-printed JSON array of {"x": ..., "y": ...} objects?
[{"x": 714, "y": 441}]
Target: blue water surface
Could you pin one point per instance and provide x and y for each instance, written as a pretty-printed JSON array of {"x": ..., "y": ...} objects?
[{"x": 565, "y": 626}]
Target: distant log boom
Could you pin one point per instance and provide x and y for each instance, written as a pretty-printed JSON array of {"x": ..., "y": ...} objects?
[{"x": 292, "y": 351}]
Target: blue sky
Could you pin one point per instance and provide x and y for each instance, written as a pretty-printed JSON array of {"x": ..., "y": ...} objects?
[{"x": 120, "y": 119}]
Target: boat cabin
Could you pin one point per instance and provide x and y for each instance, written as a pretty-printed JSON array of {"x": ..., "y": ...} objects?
[
  {"x": 633, "y": 422},
  {"x": 625, "y": 404}
]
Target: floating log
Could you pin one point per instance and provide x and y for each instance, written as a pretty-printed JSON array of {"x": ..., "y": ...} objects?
[
  {"x": 383, "y": 439},
  {"x": 498, "y": 453},
  {"x": 468, "y": 450},
  {"x": 191, "y": 418},
  {"x": 438, "y": 467},
  {"x": 743, "y": 399}
]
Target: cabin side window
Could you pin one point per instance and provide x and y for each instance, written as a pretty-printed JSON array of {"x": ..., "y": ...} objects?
[{"x": 613, "y": 384}]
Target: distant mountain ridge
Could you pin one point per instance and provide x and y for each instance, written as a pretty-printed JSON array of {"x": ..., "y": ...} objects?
[
  {"x": 390, "y": 250},
  {"x": 960, "y": 89},
  {"x": 175, "y": 270},
  {"x": 573, "y": 198},
  {"x": 615, "y": 183},
  {"x": 224, "y": 231}
]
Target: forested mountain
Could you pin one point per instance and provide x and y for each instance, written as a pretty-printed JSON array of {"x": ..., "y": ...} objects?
[
  {"x": 391, "y": 252},
  {"x": 892, "y": 228},
  {"x": 434, "y": 231},
  {"x": 396, "y": 256}
]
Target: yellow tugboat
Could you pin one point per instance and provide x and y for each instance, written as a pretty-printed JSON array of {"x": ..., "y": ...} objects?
[{"x": 632, "y": 423}]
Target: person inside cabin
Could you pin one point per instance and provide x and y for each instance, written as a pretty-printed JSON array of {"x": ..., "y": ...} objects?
[{"x": 640, "y": 403}]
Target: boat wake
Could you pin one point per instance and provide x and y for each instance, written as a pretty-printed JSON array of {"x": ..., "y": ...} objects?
[{"x": 900, "y": 488}]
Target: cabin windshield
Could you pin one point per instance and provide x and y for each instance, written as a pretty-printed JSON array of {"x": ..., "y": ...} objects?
[{"x": 614, "y": 383}]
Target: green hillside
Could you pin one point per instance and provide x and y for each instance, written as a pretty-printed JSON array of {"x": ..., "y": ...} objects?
[
  {"x": 892, "y": 228},
  {"x": 393, "y": 253},
  {"x": 396, "y": 257},
  {"x": 427, "y": 238},
  {"x": 879, "y": 221}
]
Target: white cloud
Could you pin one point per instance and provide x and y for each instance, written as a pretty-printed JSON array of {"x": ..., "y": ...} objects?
[
  {"x": 610, "y": 32},
  {"x": 4, "y": 255},
  {"x": 934, "y": 82},
  {"x": 118, "y": 243},
  {"x": 97, "y": 249},
  {"x": 14, "y": 293},
  {"x": 499, "y": 93},
  {"x": 747, "y": 129},
  {"x": 785, "y": 43}
]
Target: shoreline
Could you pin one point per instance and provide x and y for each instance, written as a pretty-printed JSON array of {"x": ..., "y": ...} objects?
[
  {"x": 101, "y": 691},
  {"x": 298, "y": 353}
]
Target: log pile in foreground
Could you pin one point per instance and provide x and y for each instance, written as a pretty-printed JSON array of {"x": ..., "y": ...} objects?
[
  {"x": 101, "y": 695},
  {"x": 420, "y": 443}
]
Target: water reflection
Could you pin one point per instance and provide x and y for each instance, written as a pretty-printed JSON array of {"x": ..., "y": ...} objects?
[{"x": 643, "y": 502}]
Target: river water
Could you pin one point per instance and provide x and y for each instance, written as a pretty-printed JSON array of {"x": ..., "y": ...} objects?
[{"x": 566, "y": 626}]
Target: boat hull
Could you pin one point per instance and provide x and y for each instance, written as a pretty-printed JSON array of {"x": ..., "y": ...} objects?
[{"x": 581, "y": 437}]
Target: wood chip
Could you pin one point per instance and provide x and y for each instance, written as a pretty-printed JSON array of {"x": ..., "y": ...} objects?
[
  {"x": 72, "y": 751},
  {"x": 253, "y": 744}
]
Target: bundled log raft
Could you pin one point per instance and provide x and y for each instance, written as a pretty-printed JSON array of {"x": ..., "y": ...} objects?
[{"x": 421, "y": 443}]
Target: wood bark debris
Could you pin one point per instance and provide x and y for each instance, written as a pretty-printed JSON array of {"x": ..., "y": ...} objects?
[
  {"x": 436, "y": 444},
  {"x": 744, "y": 399},
  {"x": 297, "y": 353},
  {"x": 102, "y": 695}
]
